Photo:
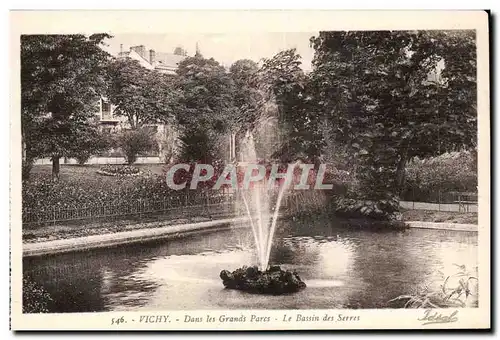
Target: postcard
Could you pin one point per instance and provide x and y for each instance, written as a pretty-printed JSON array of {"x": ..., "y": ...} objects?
[{"x": 250, "y": 170}]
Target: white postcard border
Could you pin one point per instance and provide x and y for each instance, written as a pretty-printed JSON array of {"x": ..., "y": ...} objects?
[{"x": 41, "y": 22}]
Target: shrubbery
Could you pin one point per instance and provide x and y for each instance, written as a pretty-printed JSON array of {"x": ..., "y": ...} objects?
[
  {"x": 95, "y": 142},
  {"x": 446, "y": 173},
  {"x": 135, "y": 142},
  {"x": 41, "y": 193},
  {"x": 383, "y": 210}
]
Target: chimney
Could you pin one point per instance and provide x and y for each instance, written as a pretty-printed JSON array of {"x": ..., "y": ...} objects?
[
  {"x": 141, "y": 50},
  {"x": 152, "y": 56}
]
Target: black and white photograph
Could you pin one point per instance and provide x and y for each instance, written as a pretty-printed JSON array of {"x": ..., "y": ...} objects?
[{"x": 241, "y": 180}]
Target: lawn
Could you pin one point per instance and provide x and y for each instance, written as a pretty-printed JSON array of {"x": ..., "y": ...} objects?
[
  {"x": 70, "y": 172},
  {"x": 79, "y": 186}
]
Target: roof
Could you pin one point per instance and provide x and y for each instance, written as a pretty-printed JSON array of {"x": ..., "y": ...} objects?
[
  {"x": 168, "y": 59},
  {"x": 164, "y": 62}
]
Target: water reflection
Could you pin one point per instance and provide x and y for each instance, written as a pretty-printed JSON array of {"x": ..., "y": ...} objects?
[{"x": 343, "y": 269}]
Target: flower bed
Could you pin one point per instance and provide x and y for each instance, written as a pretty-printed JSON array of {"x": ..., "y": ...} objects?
[
  {"x": 74, "y": 191},
  {"x": 119, "y": 170}
]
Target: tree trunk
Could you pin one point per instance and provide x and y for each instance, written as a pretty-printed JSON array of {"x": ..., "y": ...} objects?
[
  {"x": 27, "y": 165},
  {"x": 55, "y": 168},
  {"x": 401, "y": 172}
]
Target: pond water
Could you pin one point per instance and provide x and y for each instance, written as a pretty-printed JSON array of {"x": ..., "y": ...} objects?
[{"x": 342, "y": 269}]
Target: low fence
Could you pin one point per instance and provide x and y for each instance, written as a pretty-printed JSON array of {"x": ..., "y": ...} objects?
[
  {"x": 188, "y": 205},
  {"x": 449, "y": 207},
  {"x": 175, "y": 206},
  {"x": 192, "y": 204},
  {"x": 452, "y": 201}
]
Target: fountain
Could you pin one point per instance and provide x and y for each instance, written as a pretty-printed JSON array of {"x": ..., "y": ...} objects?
[{"x": 257, "y": 199}]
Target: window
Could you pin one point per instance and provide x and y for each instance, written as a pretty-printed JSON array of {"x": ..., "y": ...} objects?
[{"x": 105, "y": 109}]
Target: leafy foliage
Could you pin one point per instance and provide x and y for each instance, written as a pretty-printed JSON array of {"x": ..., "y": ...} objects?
[
  {"x": 249, "y": 97},
  {"x": 141, "y": 95},
  {"x": 296, "y": 112},
  {"x": 135, "y": 141},
  {"x": 449, "y": 172},
  {"x": 377, "y": 90},
  {"x": 205, "y": 107},
  {"x": 383, "y": 210},
  {"x": 456, "y": 291},
  {"x": 61, "y": 78},
  {"x": 41, "y": 194},
  {"x": 91, "y": 141}
]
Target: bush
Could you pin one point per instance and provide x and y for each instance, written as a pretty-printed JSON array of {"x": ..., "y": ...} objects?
[
  {"x": 382, "y": 210},
  {"x": 41, "y": 194},
  {"x": 446, "y": 173},
  {"x": 91, "y": 142},
  {"x": 135, "y": 142}
]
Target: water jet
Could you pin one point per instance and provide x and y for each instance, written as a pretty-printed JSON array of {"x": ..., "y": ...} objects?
[{"x": 257, "y": 202}]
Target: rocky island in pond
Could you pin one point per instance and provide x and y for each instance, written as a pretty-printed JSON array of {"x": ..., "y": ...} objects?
[{"x": 274, "y": 281}]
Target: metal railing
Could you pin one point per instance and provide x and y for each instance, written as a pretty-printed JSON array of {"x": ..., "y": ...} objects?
[
  {"x": 176, "y": 206},
  {"x": 450, "y": 201},
  {"x": 186, "y": 205}
]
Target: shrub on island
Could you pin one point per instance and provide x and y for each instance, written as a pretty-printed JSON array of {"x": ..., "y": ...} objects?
[{"x": 275, "y": 280}]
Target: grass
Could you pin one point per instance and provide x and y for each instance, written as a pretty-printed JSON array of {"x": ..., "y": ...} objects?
[
  {"x": 440, "y": 216},
  {"x": 80, "y": 186},
  {"x": 69, "y": 172}
]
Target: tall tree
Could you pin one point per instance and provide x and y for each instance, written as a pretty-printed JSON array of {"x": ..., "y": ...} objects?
[
  {"x": 62, "y": 77},
  {"x": 383, "y": 93},
  {"x": 297, "y": 113},
  {"x": 206, "y": 106},
  {"x": 248, "y": 96},
  {"x": 249, "y": 101},
  {"x": 142, "y": 96}
]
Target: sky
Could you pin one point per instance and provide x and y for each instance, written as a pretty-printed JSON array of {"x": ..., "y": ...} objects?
[{"x": 226, "y": 48}]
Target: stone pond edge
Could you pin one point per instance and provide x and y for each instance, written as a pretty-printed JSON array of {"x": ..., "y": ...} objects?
[{"x": 174, "y": 231}]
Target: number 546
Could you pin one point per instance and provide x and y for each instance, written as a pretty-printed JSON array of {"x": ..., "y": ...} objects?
[{"x": 117, "y": 321}]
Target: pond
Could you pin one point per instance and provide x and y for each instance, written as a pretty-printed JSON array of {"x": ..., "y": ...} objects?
[{"x": 343, "y": 268}]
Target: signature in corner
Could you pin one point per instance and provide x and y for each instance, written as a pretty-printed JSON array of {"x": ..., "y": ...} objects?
[{"x": 432, "y": 317}]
